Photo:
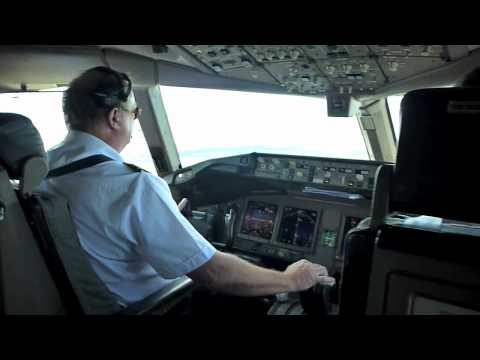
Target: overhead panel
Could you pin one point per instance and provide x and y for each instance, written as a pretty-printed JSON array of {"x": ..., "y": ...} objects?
[
  {"x": 269, "y": 54},
  {"x": 291, "y": 67},
  {"x": 348, "y": 68},
  {"x": 408, "y": 50},
  {"x": 322, "y": 69},
  {"x": 401, "y": 61},
  {"x": 219, "y": 57},
  {"x": 230, "y": 60},
  {"x": 358, "y": 74},
  {"x": 335, "y": 51},
  {"x": 299, "y": 76},
  {"x": 254, "y": 73},
  {"x": 397, "y": 68}
]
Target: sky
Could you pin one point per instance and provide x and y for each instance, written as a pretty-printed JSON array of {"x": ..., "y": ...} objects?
[{"x": 208, "y": 124}]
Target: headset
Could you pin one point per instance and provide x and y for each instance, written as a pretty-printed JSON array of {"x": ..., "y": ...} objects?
[{"x": 108, "y": 98}]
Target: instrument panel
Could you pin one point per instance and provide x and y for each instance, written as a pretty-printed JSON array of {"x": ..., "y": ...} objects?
[
  {"x": 290, "y": 228},
  {"x": 282, "y": 207}
]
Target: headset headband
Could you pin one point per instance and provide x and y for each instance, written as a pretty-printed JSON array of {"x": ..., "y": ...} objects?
[{"x": 108, "y": 98}]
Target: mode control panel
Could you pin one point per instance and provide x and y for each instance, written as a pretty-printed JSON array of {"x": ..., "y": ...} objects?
[{"x": 359, "y": 175}]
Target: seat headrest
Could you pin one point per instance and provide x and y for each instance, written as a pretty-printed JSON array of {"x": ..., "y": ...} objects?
[
  {"x": 435, "y": 170},
  {"x": 19, "y": 142}
]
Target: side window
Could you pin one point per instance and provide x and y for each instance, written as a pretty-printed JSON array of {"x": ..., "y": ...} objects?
[
  {"x": 394, "y": 109},
  {"x": 44, "y": 108}
]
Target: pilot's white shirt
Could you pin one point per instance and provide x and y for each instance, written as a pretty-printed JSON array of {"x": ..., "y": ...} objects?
[{"x": 127, "y": 222}]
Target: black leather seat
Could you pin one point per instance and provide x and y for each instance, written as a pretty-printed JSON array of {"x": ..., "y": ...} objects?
[
  {"x": 356, "y": 271},
  {"x": 360, "y": 242},
  {"x": 428, "y": 265},
  {"x": 27, "y": 286},
  {"x": 432, "y": 176}
]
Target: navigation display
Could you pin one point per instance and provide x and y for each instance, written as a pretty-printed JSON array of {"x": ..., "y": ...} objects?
[
  {"x": 297, "y": 227},
  {"x": 259, "y": 219}
]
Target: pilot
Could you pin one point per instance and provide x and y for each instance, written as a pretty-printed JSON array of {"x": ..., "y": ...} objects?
[{"x": 127, "y": 221}]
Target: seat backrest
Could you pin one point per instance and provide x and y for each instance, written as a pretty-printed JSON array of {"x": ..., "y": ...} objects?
[
  {"x": 44, "y": 270},
  {"x": 26, "y": 284},
  {"x": 83, "y": 291},
  {"x": 424, "y": 264},
  {"x": 356, "y": 271},
  {"x": 436, "y": 159},
  {"x": 360, "y": 241}
]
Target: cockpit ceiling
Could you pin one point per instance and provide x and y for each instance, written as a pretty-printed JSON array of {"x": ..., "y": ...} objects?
[{"x": 320, "y": 69}]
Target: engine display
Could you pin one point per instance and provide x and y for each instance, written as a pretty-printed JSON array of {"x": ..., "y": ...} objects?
[
  {"x": 297, "y": 227},
  {"x": 259, "y": 219}
]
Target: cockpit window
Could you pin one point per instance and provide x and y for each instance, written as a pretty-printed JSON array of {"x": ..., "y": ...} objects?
[
  {"x": 208, "y": 123},
  {"x": 45, "y": 111},
  {"x": 394, "y": 109}
]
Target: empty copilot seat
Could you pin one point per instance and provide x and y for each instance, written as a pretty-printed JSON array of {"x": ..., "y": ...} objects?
[
  {"x": 402, "y": 262},
  {"x": 44, "y": 270},
  {"x": 429, "y": 264}
]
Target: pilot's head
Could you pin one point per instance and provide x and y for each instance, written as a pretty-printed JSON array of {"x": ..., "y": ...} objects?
[
  {"x": 101, "y": 102},
  {"x": 472, "y": 79}
]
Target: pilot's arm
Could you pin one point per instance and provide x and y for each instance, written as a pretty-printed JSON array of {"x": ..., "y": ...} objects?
[
  {"x": 173, "y": 247},
  {"x": 232, "y": 275}
]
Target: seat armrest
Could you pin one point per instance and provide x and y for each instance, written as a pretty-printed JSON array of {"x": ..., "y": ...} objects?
[{"x": 163, "y": 299}]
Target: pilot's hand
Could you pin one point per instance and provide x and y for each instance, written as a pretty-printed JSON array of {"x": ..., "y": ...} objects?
[{"x": 305, "y": 274}]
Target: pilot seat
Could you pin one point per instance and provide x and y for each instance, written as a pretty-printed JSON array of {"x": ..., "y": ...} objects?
[{"x": 417, "y": 253}]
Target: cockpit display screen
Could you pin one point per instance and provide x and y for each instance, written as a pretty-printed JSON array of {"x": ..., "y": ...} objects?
[
  {"x": 259, "y": 219},
  {"x": 297, "y": 227}
]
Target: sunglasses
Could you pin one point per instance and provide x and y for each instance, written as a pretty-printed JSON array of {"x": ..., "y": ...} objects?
[{"x": 136, "y": 112}]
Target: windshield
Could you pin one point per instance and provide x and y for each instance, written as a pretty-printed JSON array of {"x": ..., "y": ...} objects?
[{"x": 209, "y": 124}]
